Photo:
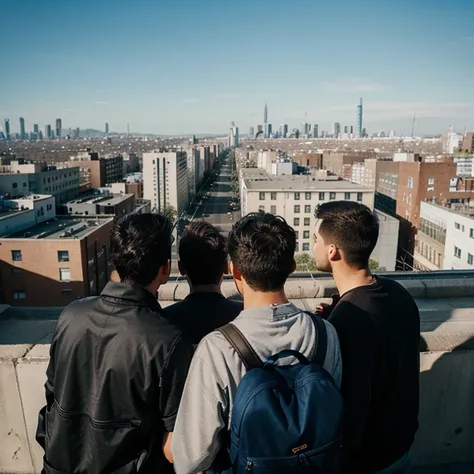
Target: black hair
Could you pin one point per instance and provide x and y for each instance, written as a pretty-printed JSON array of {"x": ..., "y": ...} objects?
[
  {"x": 262, "y": 247},
  {"x": 140, "y": 244},
  {"x": 203, "y": 253},
  {"x": 352, "y": 227}
]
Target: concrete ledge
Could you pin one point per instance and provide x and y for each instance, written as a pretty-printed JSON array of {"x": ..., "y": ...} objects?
[{"x": 445, "y": 436}]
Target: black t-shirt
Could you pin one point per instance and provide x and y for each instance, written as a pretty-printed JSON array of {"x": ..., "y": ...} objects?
[
  {"x": 379, "y": 331},
  {"x": 201, "y": 313}
]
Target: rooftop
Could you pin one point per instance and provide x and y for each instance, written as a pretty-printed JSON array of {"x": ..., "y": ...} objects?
[
  {"x": 61, "y": 228},
  {"x": 102, "y": 199},
  {"x": 303, "y": 183},
  {"x": 458, "y": 209}
]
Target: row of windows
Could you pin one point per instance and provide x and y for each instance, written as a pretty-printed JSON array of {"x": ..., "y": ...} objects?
[
  {"x": 308, "y": 196},
  {"x": 55, "y": 178},
  {"x": 458, "y": 254},
  {"x": 461, "y": 227},
  {"x": 304, "y": 247},
  {"x": 305, "y": 234},
  {"x": 63, "y": 256}
]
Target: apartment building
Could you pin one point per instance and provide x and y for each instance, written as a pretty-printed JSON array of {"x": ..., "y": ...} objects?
[
  {"x": 335, "y": 162},
  {"x": 296, "y": 197},
  {"x": 445, "y": 237},
  {"x": 468, "y": 142},
  {"x": 309, "y": 160},
  {"x": 22, "y": 178},
  {"x": 194, "y": 173},
  {"x": 165, "y": 180},
  {"x": 130, "y": 163},
  {"x": 98, "y": 204},
  {"x": 99, "y": 171},
  {"x": 130, "y": 186},
  {"x": 54, "y": 262}
]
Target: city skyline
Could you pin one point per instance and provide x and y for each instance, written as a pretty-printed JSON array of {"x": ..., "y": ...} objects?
[{"x": 402, "y": 66}]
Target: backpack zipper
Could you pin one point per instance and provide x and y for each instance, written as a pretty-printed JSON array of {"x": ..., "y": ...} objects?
[{"x": 249, "y": 466}]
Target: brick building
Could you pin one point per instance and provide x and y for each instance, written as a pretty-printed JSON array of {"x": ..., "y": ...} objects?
[{"x": 309, "y": 160}]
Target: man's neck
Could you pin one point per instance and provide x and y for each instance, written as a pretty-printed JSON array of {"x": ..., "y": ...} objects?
[
  {"x": 204, "y": 288},
  {"x": 255, "y": 299},
  {"x": 348, "y": 278}
]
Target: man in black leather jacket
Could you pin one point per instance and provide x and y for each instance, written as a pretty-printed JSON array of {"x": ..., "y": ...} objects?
[{"x": 117, "y": 367}]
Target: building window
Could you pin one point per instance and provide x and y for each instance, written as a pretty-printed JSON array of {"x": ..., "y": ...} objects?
[
  {"x": 457, "y": 252},
  {"x": 261, "y": 208},
  {"x": 273, "y": 196},
  {"x": 19, "y": 295},
  {"x": 332, "y": 196},
  {"x": 297, "y": 196},
  {"x": 273, "y": 209},
  {"x": 470, "y": 258},
  {"x": 307, "y": 208},
  {"x": 430, "y": 181},
  {"x": 321, "y": 196},
  {"x": 63, "y": 256},
  {"x": 410, "y": 182},
  {"x": 64, "y": 274},
  {"x": 297, "y": 247},
  {"x": 457, "y": 225},
  {"x": 471, "y": 233},
  {"x": 307, "y": 196},
  {"x": 16, "y": 256},
  {"x": 305, "y": 246},
  {"x": 297, "y": 209},
  {"x": 296, "y": 221},
  {"x": 262, "y": 196},
  {"x": 306, "y": 221},
  {"x": 306, "y": 234},
  {"x": 347, "y": 196},
  {"x": 359, "y": 197}
]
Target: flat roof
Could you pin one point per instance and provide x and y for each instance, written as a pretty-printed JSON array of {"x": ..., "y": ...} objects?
[
  {"x": 61, "y": 228},
  {"x": 312, "y": 184},
  {"x": 100, "y": 199},
  {"x": 458, "y": 209}
]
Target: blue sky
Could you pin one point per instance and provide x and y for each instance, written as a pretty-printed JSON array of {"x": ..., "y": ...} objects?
[{"x": 193, "y": 66}]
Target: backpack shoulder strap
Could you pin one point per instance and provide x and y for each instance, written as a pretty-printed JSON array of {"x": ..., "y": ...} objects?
[
  {"x": 245, "y": 351},
  {"x": 322, "y": 338}
]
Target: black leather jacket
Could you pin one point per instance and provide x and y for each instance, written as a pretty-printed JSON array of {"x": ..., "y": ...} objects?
[{"x": 114, "y": 383}]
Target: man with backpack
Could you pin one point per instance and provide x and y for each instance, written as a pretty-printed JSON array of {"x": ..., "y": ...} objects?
[
  {"x": 203, "y": 259},
  {"x": 241, "y": 416},
  {"x": 378, "y": 324}
]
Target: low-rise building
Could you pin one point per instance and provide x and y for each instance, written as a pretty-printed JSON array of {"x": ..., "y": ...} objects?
[
  {"x": 54, "y": 262},
  {"x": 445, "y": 237},
  {"x": 99, "y": 171},
  {"x": 103, "y": 203}
]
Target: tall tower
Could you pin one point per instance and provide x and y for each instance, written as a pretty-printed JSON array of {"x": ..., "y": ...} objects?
[
  {"x": 7, "y": 129},
  {"x": 265, "y": 120},
  {"x": 59, "y": 127},
  {"x": 22, "y": 128},
  {"x": 106, "y": 128},
  {"x": 359, "y": 119}
]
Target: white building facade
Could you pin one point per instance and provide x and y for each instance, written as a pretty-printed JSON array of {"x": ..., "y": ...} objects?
[{"x": 165, "y": 180}]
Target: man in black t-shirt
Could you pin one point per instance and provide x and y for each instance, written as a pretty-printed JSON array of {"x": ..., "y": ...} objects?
[
  {"x": 203, "y": 259},
  {"x": 378, "y": 325}
]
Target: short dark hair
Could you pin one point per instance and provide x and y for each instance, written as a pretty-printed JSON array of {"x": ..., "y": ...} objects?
[
  {"x": 140, "y": 244},
  {"x": 352, "y": 227},
  {"x": 262, "y": 247},
  {"x": 203, "y": 253}
]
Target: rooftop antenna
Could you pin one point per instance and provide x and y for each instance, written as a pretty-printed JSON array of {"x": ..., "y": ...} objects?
[{"x": 413, "y": 125}]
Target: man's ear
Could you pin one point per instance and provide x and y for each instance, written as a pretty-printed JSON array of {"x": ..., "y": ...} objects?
[
  {"x": 334, "y": 253},
  {"x": 235, "y": 271},
  {"x": 182, "y": 270},
  {"x": 293, "y": 267},
  {"x": 164, "y": 272}
]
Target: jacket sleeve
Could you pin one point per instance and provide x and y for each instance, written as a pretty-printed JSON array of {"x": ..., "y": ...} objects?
[{"x": 49, "y": 392}]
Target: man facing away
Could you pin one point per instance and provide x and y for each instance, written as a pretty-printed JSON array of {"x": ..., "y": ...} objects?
[
  {"x": 261, "y": 248},
  {"x": 379, "y": 328},
  {"x": 117, "y": 366},
  {"x": 203, "y": 259}
]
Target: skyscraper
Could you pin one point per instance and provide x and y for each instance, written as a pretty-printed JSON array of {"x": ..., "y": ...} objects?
[
  {"x": 337, "y": 129},
  {"x": 304, "y": 130},
  {"x": 7, "y": 129},
  {"x": 106, "y": 128},
  {"x": 269, "y": 130},
  {"x": 315, "y": 131},
  {"x": 36, "y": 129},
  {"x": 22, "y": 128},
  {"x": 359, "y": 119},
  {"x": 265, "y": 119},
  {"x": 59, "y": 126},
  {"x": 259, "y": 128},
  {"x": 251, "y": 132},
  {"x": 47, "y": 131},
  {"x": 78, "y": 132},
  {"x": 285, "y": 130}
]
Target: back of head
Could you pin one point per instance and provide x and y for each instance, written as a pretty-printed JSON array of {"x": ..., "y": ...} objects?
[
  {"x": 203, "y": 253},
  {"x": 140, "y": 244},
  {"x": 350, "y": 226},
  {"x": 262, "y": 248}
]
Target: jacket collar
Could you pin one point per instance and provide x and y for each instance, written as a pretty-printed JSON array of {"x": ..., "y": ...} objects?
[{"x": 130, "y": 295}]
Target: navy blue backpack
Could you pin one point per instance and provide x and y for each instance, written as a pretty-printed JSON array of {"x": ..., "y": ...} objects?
[{"x": 286, "y": 418}]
